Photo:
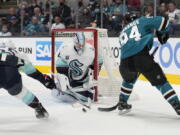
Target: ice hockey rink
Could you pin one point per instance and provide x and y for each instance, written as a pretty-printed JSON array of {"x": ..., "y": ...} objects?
[{"x": 151, "y": 115}]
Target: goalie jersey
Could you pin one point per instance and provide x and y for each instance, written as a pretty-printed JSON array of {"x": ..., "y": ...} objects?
[
  {"x": 139, "y": 33},
  {"x": 77, "y": 65}
]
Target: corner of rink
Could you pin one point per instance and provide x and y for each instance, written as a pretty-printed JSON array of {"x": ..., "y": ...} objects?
[{"x": 150, "y": 115}]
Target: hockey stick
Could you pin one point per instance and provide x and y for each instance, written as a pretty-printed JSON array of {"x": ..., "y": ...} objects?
[
  {"x": 77, "y": 97},
  {"x": 109, "y": 109},
  {"x": 155, "y": 50}
]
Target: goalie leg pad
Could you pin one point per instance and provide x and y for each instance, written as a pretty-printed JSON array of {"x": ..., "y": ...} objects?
[
  {"x": 62, "y": 82},
  {"x": 61, "y": 97},
  {"x": 87, "y": 94}
]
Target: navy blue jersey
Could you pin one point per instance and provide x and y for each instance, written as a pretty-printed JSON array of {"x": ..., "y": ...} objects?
[{"x": 139, "y": 33}]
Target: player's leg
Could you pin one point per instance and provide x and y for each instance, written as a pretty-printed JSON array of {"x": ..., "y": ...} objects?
[
  {"x": 129, "y": 76},
  {"x": 158, "y": 79},
  {"x": 15, "y": 88},
  {"x": 153, "y": 72},
  {"x": 31, "y": 71}
]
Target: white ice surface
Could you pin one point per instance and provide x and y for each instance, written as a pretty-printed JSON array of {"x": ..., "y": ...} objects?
[{"x": 151, "y": 115}]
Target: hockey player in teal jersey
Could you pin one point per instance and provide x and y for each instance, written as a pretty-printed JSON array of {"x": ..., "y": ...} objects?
[{"x": 136, "y": 39}]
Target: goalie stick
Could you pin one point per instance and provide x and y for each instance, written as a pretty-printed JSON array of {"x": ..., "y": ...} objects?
[{"x": 109, "y": 109}]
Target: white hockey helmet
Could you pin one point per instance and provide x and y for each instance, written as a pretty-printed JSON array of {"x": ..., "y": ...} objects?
[
  {"x": 7, "y": 43},
  {"x": 79, "y": 42}
]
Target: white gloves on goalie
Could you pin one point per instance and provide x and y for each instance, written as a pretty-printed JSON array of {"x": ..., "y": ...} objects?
[{"x": 62, "y": 84}]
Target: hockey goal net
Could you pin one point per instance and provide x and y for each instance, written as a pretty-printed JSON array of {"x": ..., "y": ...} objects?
[{"x": 109, "y": 80}]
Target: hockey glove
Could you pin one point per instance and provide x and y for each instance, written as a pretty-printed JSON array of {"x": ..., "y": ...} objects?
[
  {"x": 46, "y": 80},
  {"x": 162, "y": 37},
  {"x": 49, "y": 82}
]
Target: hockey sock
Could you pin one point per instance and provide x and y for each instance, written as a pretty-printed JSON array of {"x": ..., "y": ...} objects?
[
  {"x": 126, "y": 90},
  {"x": 168, "y": 93},
  {"x": 34, "y": 103},
  {"x": 28, "y": 98}
]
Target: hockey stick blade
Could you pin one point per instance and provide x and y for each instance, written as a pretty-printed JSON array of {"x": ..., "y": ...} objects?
[
  {"x": 78, "y": 100},
  {"x": 108, "y": 109}
]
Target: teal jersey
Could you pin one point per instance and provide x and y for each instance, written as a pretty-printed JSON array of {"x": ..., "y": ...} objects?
[
  {"x": 139, "y": 33},
  {"x": 27, "y": 68}
]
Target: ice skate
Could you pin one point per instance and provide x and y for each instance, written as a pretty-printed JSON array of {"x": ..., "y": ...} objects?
[
  {"x": 41, "y": 112},
  {"x": 176, "y": 107},
  {"x": 124, "y": 107}
]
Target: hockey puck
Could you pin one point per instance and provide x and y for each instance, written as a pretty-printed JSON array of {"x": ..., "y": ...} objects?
[{"x": 84, "y": 110}]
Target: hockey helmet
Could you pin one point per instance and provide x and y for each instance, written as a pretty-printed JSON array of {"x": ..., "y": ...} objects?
[
  {"x": 79, "y": 42},
  {"x": 7, "y": 43},
  {"x": 129, "y": 17}
]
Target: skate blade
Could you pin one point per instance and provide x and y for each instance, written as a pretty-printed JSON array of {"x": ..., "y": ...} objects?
[
  {"x": 46, "y": 116},
  {"x": 124, "y": 111}
]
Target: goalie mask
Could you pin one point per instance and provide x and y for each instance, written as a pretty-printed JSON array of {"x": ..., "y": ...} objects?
[{"x": 79, "y": 42}]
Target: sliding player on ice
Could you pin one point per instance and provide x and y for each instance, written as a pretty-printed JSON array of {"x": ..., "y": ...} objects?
[
  {"x": 136, "y": 40},
  {"x": 75, "y": 67},
  {"x": 10, "y": 63}
]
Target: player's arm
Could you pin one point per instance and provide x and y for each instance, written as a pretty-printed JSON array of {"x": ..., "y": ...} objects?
[
  {"x": 34, "y": 73},
  {"x": 162, "y": 33},
  {"x": 161, "y": 25}
]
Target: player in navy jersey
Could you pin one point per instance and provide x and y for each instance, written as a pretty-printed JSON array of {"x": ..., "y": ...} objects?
[
  {"x": 136, "y": 40},
  {"x": 10, "y": 63}
]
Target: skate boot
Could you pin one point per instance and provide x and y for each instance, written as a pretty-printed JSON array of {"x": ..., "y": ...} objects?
[
  {"x": 176, "y": 107},
  {"x": 124, "y": 107},
  {"x": 41, "y": 112}
]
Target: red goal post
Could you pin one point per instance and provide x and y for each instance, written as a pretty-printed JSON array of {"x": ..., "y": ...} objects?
[{"x": 57, "y": 33}]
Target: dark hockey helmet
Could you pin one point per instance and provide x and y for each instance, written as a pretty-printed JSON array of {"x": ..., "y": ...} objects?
[{"x": 129, "y": 17}]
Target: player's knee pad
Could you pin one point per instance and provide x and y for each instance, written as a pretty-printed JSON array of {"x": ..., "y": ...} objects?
[
  {"x": 25, "y": 95},
  {"x": 155, "y": 75}
]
